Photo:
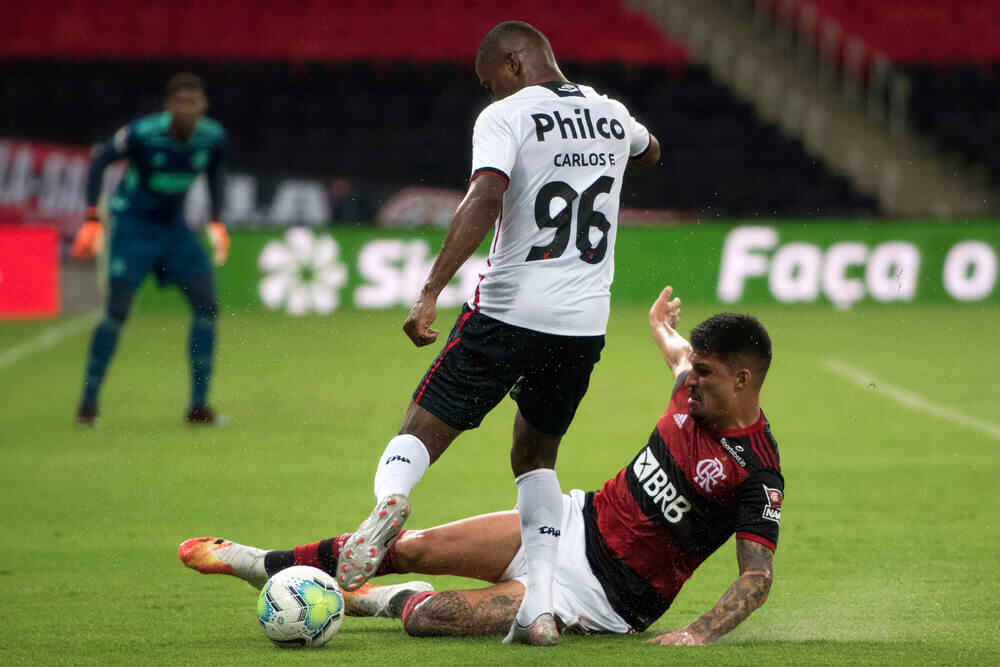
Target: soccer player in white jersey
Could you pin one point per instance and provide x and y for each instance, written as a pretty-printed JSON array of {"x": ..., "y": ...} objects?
[{"x": 548, "y": 159}]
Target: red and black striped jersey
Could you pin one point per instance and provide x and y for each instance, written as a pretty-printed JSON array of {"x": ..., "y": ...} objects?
[{"x": 688, "y": 490}]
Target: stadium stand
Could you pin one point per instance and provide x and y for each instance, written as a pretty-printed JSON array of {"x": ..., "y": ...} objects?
[
  {"x": 958, "y": 106},
  {"x": 403, "y": 113},
  {"x": 948, "y": 49},
  {"x": 318, "y": 30},
  {"x": 915, "y": 31}
]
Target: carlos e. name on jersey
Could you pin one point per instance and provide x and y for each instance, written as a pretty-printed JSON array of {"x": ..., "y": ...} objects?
[{"x": 562, "y": 149}]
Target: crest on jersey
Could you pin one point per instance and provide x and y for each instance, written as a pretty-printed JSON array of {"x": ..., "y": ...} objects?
[
  {"x": 564, "y": 89},
  {"x": 772, "y": 511},
  {"x": 708, "y": 473},
  {"x": 679, "y": 420}
]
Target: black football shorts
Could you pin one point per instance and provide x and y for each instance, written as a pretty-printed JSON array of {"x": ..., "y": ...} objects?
[{"x": 547, "y": 375}]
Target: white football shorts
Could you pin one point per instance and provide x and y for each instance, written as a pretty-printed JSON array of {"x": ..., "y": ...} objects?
[{"x": 577, "y": 595}]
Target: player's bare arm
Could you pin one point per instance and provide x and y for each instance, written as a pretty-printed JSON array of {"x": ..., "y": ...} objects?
[
  {"x": 747, "y": 593},
  {"x": 474, "y": 218},
  {"x": 650, "y": 157},
  {"x": 663, "y": 317}
]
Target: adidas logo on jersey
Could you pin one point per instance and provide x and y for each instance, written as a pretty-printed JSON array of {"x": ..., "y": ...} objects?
[
  {"x": 680, "y": 419},
  {"x": 579, "y": 126}
]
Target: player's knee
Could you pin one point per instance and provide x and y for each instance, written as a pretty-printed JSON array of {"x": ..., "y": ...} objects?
[
  {"x": 117, "y": 312},
  {"x": 119, "y": 302},
  {"x": 207, "y": 309},
  {"x": 200, "y": 293},
  {"x": 413, "y": 548}
]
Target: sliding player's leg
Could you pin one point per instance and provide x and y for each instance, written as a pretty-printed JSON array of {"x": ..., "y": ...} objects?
[{"x": 480, "y": 547}]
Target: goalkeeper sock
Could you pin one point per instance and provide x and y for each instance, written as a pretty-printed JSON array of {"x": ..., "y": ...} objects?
[
  {"x": 200, "y": 293},
  {"x": 102, "y": 348},
  {"x": 540, "y": 507},
  {"x": 324, "y": 555},
  {"x": 200, "y": 350},
  {"x": 403, "y": 463}
]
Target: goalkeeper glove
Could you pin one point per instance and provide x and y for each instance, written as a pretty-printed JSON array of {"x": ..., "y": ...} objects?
[
  {"x": 219, "y": 238},
  {"x": 90, "y": 238}
]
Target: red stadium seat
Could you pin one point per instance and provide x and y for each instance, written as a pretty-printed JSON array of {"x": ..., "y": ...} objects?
[
  {"x": 316, "y": 30},
  {"x": 924, "y": 31}
]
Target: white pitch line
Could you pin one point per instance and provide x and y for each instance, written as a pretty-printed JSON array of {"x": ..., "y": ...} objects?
[
  {"x": 48, "y": 338},
  {"x": 913, "y": 401}
]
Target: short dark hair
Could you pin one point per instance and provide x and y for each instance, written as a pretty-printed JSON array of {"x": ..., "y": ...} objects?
[
  {"x": 735, "y": 339},
  {"x": 501, "y": 37},
  {"x": 183, "y": 81}
]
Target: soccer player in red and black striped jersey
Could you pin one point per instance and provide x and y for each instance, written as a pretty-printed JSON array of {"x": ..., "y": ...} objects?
[{"x": 709, "y": 470}]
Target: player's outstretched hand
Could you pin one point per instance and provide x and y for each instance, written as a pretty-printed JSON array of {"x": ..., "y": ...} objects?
[
  {"x": 418, "y": 322},
  {"x": 678, "y": 638},
  {"x": 89, "y": 240},
  {"x": 664, "y": 310},
  {"x": 219, "y": 238},
  {"x": 663, "y": 318}
]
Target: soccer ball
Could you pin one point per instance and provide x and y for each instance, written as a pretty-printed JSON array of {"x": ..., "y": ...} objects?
[{"x": 300, "y": 606}]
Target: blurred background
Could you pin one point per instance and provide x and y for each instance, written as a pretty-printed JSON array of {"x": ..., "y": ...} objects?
[{"x": 359, "y": 114}]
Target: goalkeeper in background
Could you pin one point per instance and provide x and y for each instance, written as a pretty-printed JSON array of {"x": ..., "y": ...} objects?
[{"x": 148, "y": 234}]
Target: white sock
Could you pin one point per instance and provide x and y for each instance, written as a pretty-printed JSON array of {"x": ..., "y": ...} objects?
[
  {"x": 540, "y": 506},
  {"x": 403, "y": 463}
]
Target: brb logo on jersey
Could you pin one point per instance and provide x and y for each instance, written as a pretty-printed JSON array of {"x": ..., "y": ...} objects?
[
  {"x": 708, "y": 473},
  {"x": 657, "y": 485},
  {"x": 773, "y": 509}
]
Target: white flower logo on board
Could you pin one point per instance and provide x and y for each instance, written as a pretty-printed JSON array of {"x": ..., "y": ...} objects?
[{"x": 303, "y": 273}]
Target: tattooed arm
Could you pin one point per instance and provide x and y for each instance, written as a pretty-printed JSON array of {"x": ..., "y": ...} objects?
[{"x": 747, "y": 593}]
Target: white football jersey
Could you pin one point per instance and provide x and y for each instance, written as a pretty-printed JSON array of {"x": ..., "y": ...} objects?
[{"x": 562, "y": 148}]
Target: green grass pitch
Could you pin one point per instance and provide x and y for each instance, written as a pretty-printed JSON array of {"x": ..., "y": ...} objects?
[{"x": 890, "y": 542}]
